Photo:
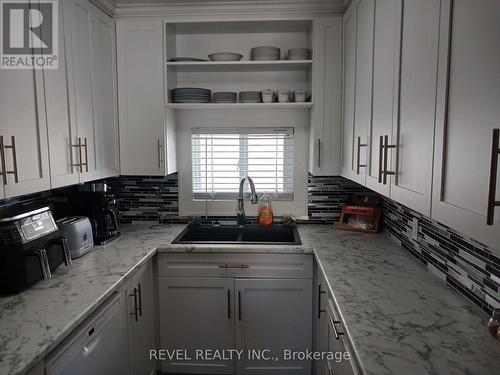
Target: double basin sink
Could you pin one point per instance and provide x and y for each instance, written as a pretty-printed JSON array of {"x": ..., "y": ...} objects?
[{"x": 232, "y": 234}]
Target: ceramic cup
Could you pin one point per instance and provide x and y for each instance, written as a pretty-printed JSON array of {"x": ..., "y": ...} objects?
[
  {"x": 267, "y": 96},
  {"x": 284, "y": 96},
  {"x": 300, "y": 95}
]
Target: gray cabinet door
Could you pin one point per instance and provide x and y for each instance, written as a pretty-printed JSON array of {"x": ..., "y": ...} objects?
[
  {"x": 196, "y": 314},
  {"x": 385, "y": 90},
  {"x": 143, "y": 326},
  {"x": 363, "y": 87},
  {"x": 274, "y": 315},
  {"x": 414, "y": 135},
  {"x": 468, "y": 111}
]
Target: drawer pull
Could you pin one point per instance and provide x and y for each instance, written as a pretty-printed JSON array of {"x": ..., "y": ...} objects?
[
  {"x": 320, "y": 310},
  {"x": 387, "y": 146},
  {"x": 12, "y": 147},
  {"x": 358, "y": 165},
  {"x": 239, "y": 305},
  {"x": 334, "y": 323},
  {"x": 230, "y": 266},
  {"x": 229, "y": 304}
]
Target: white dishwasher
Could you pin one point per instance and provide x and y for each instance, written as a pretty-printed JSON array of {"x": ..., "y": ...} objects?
[{"x": 99, "y": 346}]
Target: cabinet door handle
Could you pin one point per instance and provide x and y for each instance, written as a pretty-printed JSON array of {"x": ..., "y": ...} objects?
[
  {"x": 2, "y": 157},
  {"x": 380, "y": 158},
  {"x": 334, "y": 323},
  {"x": 85, "y": 146},
  {"x": 136, "y": 307},
  {"x": 358, "y": 165},
  {"x": 386, "y": 147},
  {"x": 239, "y": 305},
  {"x": 320, "y": 310},
  {"x": 139, "y": 293},
  {"x": 492, "y": 202},
  {"x": 237, "y": 266},
  {"x": 319, "y": 152},
  {"x": 159, "y": 154},
  {"x": 229, "y": 304},
  {"x": 5, "y": 171},
  {"x": 79, "y": 147}
]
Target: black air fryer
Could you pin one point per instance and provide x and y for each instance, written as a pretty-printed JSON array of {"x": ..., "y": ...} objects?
[{"x": 31, "y": 247}]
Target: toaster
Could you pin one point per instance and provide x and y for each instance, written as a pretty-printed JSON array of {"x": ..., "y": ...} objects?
[{"x": 78, "y": 232}]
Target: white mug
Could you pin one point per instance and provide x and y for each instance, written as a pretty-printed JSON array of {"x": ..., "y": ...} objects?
[{"x": 283, "y": 96}]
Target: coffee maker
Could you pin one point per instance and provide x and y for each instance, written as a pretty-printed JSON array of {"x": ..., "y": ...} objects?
[
  {"x": 31, "y": 247},
  {"x": 94, "y": 201}
]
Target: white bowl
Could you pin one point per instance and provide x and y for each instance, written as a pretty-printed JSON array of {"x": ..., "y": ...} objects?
[{"x": 225, "y": 56}]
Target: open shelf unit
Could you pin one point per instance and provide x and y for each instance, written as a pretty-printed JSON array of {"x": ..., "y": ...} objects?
[
  {"x": 291, "y": 105},
  {"x": 199, "y": 39}
]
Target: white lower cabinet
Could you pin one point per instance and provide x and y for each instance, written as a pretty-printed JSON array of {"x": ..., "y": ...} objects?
[
  {"x": 330, "y": 334},
  {"x": 196, "y": 314},
  {"x": 258, "y": 316},
  {"x": 140, "y": 293},
  {"x": 273, "y": 315}
]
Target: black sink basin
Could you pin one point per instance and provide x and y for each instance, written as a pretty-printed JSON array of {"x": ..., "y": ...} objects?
[{"x": 232, "y": 234}]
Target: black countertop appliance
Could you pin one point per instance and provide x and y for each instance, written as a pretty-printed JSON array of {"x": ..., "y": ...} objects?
[{"x": 31, "y": 247}]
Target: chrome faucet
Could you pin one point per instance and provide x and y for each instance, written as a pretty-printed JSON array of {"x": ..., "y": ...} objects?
[{"x": 240, "y": 212}]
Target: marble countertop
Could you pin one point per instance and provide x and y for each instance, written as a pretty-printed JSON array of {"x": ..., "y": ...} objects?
[{"x": 401, "y": 319}]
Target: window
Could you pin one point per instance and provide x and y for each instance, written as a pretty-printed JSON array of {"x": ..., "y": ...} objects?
[{"x": 221, "y": 156}]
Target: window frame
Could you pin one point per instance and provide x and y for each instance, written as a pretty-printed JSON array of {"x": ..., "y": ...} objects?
[{"x": 296, "y": 119}]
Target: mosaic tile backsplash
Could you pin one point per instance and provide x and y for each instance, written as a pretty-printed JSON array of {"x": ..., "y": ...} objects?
[
  {"x": 468, "y": 266},
  {"x": 143, "y": 198}
]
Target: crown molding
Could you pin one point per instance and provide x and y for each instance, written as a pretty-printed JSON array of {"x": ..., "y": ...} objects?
[
  {"x": 107, "y": 6},
  {"x": 241, "y": 8}
]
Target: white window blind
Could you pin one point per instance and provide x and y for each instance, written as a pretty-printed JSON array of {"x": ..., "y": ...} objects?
[{"x": 221, "y": 156}]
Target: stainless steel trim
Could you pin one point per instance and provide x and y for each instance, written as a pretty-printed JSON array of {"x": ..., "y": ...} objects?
[
  {"x": 492, "y": 202},
  {"x": 139, "y": 292},
  {"x": 2, "y": 157},
  {"x": 20, "y": 216}
]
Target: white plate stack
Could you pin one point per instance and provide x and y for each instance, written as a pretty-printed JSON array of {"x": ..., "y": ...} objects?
[
  {"x": 225, "y": 97},
  {"x": 299, "y": 54},
  {"x": 265, "y": 53},
  {"x": 250, "y": 97},
  {"x": 191, "y": 95}
]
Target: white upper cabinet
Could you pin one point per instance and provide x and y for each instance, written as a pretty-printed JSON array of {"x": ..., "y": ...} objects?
[
  {"x": 325, "y": 133},
  {"x": 358, "y": 67},
  {"x": 414, "y": 136},
  {"x": 105, "y": 98},
  {"x": 81, "y": 45},
  {"x": 61, "y": 123},
  {"x": 24, "y": 153},
  {"x": 468, "y": 111},
  {"x": 349, "y": 72},
  {"x": 141, "y": 101},
  {"x": 385, "y": 93}
]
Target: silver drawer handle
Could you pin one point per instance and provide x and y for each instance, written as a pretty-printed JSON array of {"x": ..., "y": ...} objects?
[
  {"x": 238, "y": 266},
  {"x": 334, "y": 323}
]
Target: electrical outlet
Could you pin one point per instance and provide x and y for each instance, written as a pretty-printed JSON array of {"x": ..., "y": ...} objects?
[{"x": 414, "y": 229}]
